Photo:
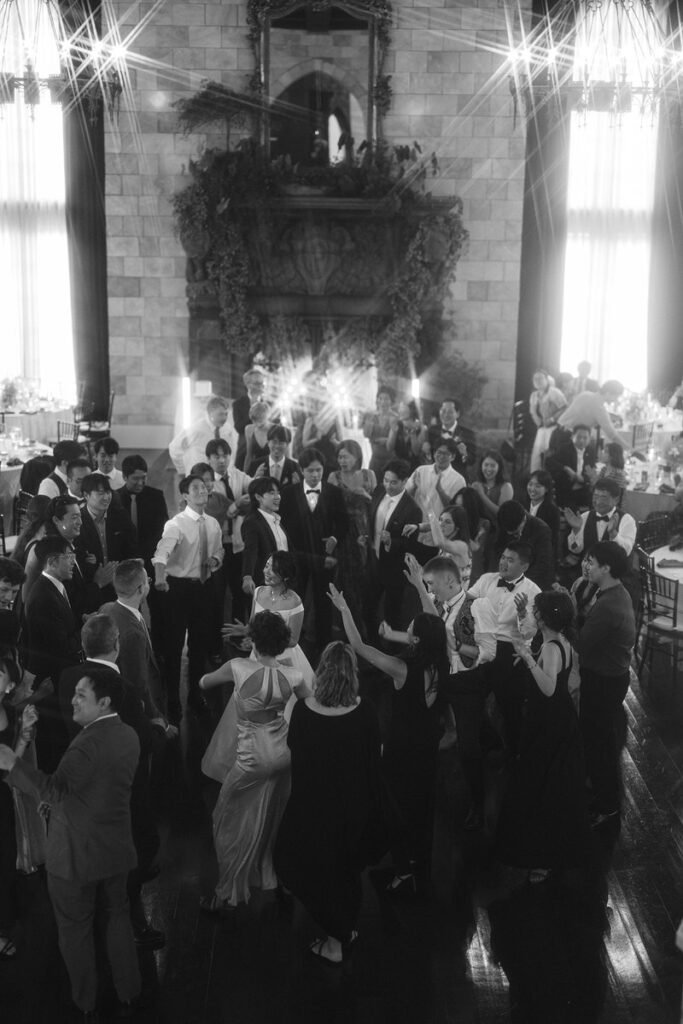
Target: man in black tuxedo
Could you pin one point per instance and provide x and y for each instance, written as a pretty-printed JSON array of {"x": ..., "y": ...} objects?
[
  {"x": 449, "y": 427},
  {"x": 571, "y": 463},
  {"x": 516, "y": 525},
  {"x": 262, "y": 532},
  {"x": 277, "y": 465},
  {"x": 391, "y": 510},
  {"x": 53, "y": 640},
  {"x": 146, "y": 508},
  {"x": 107, "y": 533},
  {"x": 315, "y": 518}
]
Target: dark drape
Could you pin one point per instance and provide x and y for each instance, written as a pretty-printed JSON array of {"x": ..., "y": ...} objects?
[
  {"x": 544, "y": 219},
  {"x": 665, "y": 314},
  {"x": 87, "y": 239}
]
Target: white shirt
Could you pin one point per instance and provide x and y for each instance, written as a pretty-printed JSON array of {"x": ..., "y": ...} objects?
[
  {"x": 509, "y": 626},
  {"x": 189, "y": 446},
  {"x": 109, "y": 664},
  {"x": 449, "y": 613},
  {"x": 275, "y": 469},
  {"x": 115, "y": 478},
  {"x": 273, "y": 520},
  {"x": 580, "y": 454},
  {"x": 625, "y": 537},
  {"x": 533, "y": 509},
  {"x": 422, "y": 483},
  {"x": 178, "y": 548},
  {"x": 312, "y": 495},
  {"x": 49, "y": 487},
  {"x": 385, "y": 511}
]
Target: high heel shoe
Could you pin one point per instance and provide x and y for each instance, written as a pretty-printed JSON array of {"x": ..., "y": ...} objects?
[{"x": 400, "y": 884}]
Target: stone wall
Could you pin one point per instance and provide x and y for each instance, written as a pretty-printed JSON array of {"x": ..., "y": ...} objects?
[{"x": 448, "y": 95}]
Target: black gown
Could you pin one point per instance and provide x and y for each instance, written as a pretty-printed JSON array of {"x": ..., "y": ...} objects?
[
  {"x": 544, "y": 819},
  {"x": 332, "y": 822},
  {"x": 409, "y": 762}
]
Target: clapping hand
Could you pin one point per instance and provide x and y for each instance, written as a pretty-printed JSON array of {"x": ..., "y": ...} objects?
[
  {"x": 521, "y": 604},
  {"x": 409, "y": 529},
  {"x": 573, "y": 519}
]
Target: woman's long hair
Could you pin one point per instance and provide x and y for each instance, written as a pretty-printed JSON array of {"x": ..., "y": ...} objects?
[
  {"x": 431, "y": 652},
  {"x": 472, "y": 507},
  {"x": 461, "y": 523},
  {"x": 336, "y": 680},
  {"x": 37, "y": 518}
]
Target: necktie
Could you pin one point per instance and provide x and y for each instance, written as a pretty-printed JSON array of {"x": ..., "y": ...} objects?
[
  {"x": 277, "y": 474},
  {"x": 228, "y": 489},
  {"x": 505, "y": 583},
  {"x": 312, "y": 499},
  {"x": 134, "y": 509},
  {"x": 203, "y": 550}
]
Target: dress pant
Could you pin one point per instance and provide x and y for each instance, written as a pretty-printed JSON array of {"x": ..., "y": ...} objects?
[
  {"x": 187, "y": 610},
  {"x": 75, "y": 905},
  {"x": 236, "y": 598},
  {"x": 601, "y": 718}
]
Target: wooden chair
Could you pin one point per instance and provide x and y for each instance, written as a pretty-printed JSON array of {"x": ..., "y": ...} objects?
[
  {"x": 654, "y": 531},
  {"x": 19, "y": 511},
  {"x": 662, "y": 632},
  {"x": 67, "y": 431}
]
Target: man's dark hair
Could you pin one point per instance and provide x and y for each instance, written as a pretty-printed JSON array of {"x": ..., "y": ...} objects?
[
  {"x": 200, "y": 468},
  {"x": 132, "y": 464},
  {"x": 269, "y": 633},
  {"x": 95, "y": 482},
  {"x": 99, "y": 635},
  {"x": 66, "y": 451},
  {"x": 454, "y": 402},
  {"x": 611, "y": 554},
  {"x": 442, "y": 564},
  {"x": 59, "y": 506},
  {"x": 608, "y": 485},
  {"x": 580, "y": 426},
  {"x": 445, "y": 442},
  {"x": 522, "y": 549},
  {"x": 108, "y": 445},
  {"x": 215, "y": 446},
  {"x": 217, "y": 402},
  {"x": 261, "y": 485},
  {"x": 11, "y": 572},
  {"x": 79, "y": 463},
  {"x": 106, "y": 683},
  {"x": 184, "y": 485},
  {"x": 310, "y": 455},
  {"x": 510, "y": 515},
  {"x": 279, "y": 433},
  {"x": 49, "y": 548},
  {"x": 399, "y": 467}
]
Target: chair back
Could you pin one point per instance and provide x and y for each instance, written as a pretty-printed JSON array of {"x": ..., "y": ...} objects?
[
  {"x": 20, "y": 509},
  {"x": 663, "y": 597},
  {"x": 67, "y": 431},
  {"x": 3, "y": 545},
  {"x": 654, "y": 531}
]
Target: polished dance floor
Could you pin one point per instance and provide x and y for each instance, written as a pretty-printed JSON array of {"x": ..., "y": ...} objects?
[{"x": 474, "y": 946}]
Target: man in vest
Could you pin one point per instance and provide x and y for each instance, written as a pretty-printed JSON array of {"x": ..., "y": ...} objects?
[
  {"x": 57, "y": 482},
  {"x": 605, "y": 522}
]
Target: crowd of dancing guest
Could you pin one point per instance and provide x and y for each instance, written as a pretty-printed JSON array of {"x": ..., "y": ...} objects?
[{"x": 354, "y": 614}]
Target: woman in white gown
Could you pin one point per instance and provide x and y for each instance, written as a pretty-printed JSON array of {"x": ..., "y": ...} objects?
[
  {"x": 250, "y": 743},
  {"x": 277, "y": 596}
]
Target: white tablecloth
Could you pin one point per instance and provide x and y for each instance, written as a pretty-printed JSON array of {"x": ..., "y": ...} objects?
[
  {"x": 9, "y": 487},
  {"x": 671, "y": 573},
  {"x": 37, "y": 426}
]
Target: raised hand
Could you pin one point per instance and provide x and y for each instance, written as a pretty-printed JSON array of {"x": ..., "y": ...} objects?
[
  {"x": 521, "y": 604},
  {"x": 337, "y": 598},
  {"x": 573, "y": 519},
  {"x": 413, "y": 570}
]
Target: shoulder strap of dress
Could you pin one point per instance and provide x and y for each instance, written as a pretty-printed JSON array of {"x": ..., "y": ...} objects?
[{"x": 562, "y": 654}]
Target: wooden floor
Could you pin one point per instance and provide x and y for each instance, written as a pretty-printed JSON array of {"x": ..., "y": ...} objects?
[{"x": 474, "y": 946}]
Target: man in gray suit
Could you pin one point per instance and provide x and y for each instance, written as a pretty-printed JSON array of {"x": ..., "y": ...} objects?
[{"x": 89, "y": 844}]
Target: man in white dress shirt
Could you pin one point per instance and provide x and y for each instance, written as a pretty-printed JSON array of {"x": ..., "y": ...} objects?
[
  {"x": 190, "y": 550},
  {"x": 434, "y": 487},
  {"x": 189, "y": 446},
  {"x": 605, "y": 521},
  {"x": 106, "y": 454}
]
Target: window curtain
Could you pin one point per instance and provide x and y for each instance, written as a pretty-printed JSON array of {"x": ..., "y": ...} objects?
[{"x": 34, "y": 263}]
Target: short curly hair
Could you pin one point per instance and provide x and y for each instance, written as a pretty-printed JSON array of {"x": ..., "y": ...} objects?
[{"x": 269, "y": 633}]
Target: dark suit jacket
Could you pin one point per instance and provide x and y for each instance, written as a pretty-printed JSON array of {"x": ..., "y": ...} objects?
[
  {"x": 555, "y": 461},
  {"x": 89, "y": 837},
  {"x": 537, "y": 534},
  {"x": 152, "y": 517},
  {"x": 548, "y": 513},
  {"x": 259, "y": 545},
  {"x": 391, "y": 563},
  {"x": 306, "y": 529},
  {"x": 463, "y": 434},
  {"x": 288, "y": 470},
  {"x": 122, "y": 542},
  {"x": 52, "y": 632},
  {"x": 136, "y": 658}
]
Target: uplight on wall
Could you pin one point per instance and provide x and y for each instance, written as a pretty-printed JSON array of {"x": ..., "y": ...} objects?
[{"x": 186, "y": 400}]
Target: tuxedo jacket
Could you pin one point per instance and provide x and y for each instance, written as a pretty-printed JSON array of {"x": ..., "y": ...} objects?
[
  {"x": 390, "y": 564},
  {"x": 136, "y": 660},
  {"x": 548, "y": 513},
  {"x": 89, "y": 837},
  {"x": 152, "y": 517},
  {"x": 555, "y": 462},
  {"x": 537, "y": 535},
  {"x": 259, "y": 545},
  {"x": 52, "y": 631},
  {"x": 290, "y": 469},
  {"x": 464, "y": 434},
  {"x": 122, "y": 543},
  {"x": 306, "y": 530}
]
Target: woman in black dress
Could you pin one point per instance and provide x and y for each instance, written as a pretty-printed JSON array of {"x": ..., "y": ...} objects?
[
  {"x": 331, "y": 820},
  {"x": 409, "y": 758},
  {"x": 544, "y": 822}
]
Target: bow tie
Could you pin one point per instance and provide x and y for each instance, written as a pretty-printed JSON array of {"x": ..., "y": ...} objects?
[
  {"x": 602, "y": 519},
  {"x": 445, "y": 432},
  {"x": 508, "y": 585},
  {"x": 312, "y": 492}
]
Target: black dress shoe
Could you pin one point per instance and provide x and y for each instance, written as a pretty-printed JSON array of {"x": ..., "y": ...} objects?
[
  {"x": 150, "y": 938},
  {"x": 474, "y": 820}
]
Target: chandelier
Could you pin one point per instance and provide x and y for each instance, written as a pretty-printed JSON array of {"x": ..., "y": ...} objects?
[
  {"x": 613, "y": 56},
  {"x": 59, "y": 54}
]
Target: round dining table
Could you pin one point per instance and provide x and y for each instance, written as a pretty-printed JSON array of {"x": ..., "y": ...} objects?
[{"x": 669, "y": 563}]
